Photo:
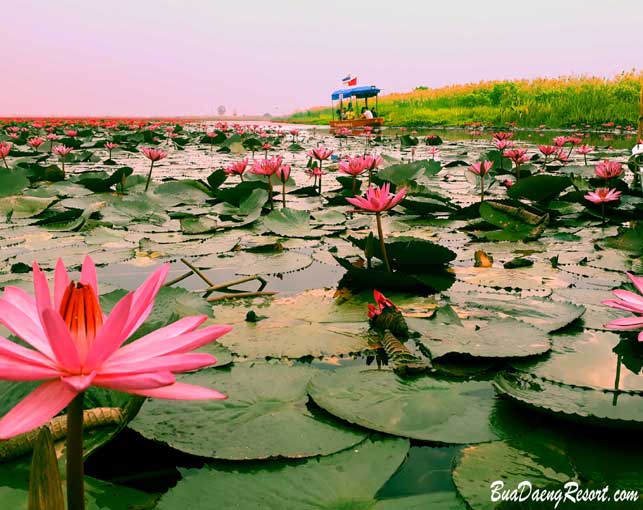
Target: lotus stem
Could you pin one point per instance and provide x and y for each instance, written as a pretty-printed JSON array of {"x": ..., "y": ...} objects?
[
  {"x": 197, "y": 272},
  {"x": 585, "y": 159},
  {"x": 178, "y": 279},
  {"x": 380, "y": 234},
  {"x": 482, "y": 188},
  {"x": 241, "y": 295},
  {"x": 270, "y": 192},
  {"x": 149, "y": 176},
  {"x": 283, "y": 194},
  {"x": 5, "y": 163},
  {"x": 354, "y": 185},
  {"x": 75, "y": 483},
  {"x": 320, "y": 177},
  {"x": 603, "y": 211}
]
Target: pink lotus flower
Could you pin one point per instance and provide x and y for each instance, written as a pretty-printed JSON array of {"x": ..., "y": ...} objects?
[
  {"x": 584, "y": 150},
  {"x": 559, "y": 141},
  {"x": 320, "y": 153},
  {"x": 574, "y": 140},
  {"x": 502, "y": 135},
  {"x": 52, "y": 136},
  {"x": 609, "y": 169},
  {"x": 153, "y": 154},
  {"x": 353, "y": 166},
  {"x": 237, "y": 168},
  {"x": 501, "y": 145},
  {"x": 603, "y": 195},
  {"x": 630, "y": 302},
  {"x": 267, "y": 166},
  {"x": 35, "y": 142},
  {"x": 71, "y": 132},
  {"x": 373, "y": 162},
  {"x": 547, "y": 150},
  {"x": 14, "y": 136},
  {"x": 378, "y": 199},
  {"x": 481, "y": 168},
  {"x": 74, "y": 346},
  {"x": 381, "y": 303},
  {"x": 562, "y": 157},
  {"x": 315, "y": 172},
  {"x": 518, "y": 156},
  {"x": 283, "y": 173},
  {"x": 62, "y": 150},
  {"x": 5, "y": 148}
]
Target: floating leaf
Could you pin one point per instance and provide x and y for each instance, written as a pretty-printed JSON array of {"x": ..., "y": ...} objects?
[
  {"x": 422, "y": 408},
  {"x": 265, "y": 416},
  {"x": 347, "y": 480},
  {"x": 306, "y": 324}
]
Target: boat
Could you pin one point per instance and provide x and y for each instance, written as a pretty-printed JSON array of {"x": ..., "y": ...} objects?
[{"x": 345, "y": 104}]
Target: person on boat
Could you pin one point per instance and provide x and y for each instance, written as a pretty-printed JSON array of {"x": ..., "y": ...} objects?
[
  {"x": 366, "y": 113},
  {"x": 350, "y": 114}
]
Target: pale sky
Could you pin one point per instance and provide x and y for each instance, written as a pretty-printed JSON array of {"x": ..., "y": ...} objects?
[{"x": 171, "y": 57}]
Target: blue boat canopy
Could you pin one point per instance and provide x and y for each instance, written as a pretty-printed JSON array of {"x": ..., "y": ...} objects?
[{"x": 359, "y": 92}]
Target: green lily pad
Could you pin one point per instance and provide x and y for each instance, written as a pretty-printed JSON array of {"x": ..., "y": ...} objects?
[
  {"x": 503, "y": 338},
  {"x": 265, "y": 416},
  {"x": 348, "y": 480},
  {"x": 306, "y": 324},
  {"x": 593, "y": 359},
  {"x": 477, "y": 467},
  {"x": 594, "y": 407},
  {"x": 290, "y": 223},
  {"x": 24, "y": 206},
  {"x": 539, "y": 187},
  {"x": 545, "y": 314},
  {"x": 422, "y": 408},
  {"x": 12, "y": 182},
  {"x": 183, "y": 192}
]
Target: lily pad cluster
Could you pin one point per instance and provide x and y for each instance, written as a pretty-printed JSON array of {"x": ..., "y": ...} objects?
[{"x": 502, "y": 299}]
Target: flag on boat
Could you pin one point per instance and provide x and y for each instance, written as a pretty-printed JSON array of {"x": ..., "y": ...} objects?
[{"x": 349, "y": 81}]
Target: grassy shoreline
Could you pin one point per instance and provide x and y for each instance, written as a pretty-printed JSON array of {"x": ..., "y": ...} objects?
[{"x": 554, "y": 102}]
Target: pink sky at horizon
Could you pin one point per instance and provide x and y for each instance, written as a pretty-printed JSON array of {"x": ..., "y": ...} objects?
[{"x": 167, "y": 58}]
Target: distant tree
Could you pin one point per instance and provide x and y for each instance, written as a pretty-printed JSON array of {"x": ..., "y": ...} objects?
[
  {"x": 267, "y": 115},
  {"x": 421, "y": 87},
  {"x": 221, "y": 110}
]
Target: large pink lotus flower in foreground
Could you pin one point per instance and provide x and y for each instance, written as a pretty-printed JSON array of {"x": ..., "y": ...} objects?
[
  {"x": 630, "y": 302},
  {"x": 73, "y": 346}
]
